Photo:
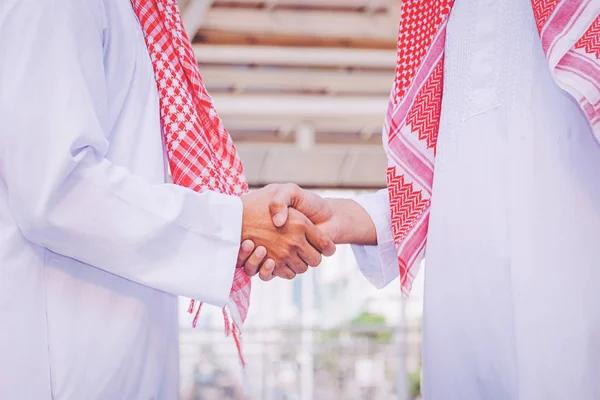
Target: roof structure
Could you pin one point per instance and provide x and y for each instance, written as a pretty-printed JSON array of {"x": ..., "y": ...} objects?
[{"x": 302, "y": 85}]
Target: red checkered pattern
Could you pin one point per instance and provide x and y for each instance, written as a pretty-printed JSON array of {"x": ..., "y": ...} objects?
[
  {"x": 413, "y": 117},
  {"x": 420, "y": 22},
  {"x": 200, "y": 151},
  {"x": 412, "y": 126}
]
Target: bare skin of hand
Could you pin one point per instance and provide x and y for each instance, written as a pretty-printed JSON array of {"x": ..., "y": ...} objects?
[
  {"x": 251, "y": 254},
  {"x": 343, "y": 220},
  {"x": 293, "y": 247},
  {"x": 253, "y": 258}
]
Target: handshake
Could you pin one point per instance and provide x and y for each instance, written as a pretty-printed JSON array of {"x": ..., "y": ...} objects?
[{"x": 286, "y": 229}]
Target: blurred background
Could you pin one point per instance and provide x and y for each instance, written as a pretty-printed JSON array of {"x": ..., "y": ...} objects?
[{"x": 302, "y": 86}]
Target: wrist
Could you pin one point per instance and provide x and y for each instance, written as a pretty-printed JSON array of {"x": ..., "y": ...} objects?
[{"x": 353, "y": 223}]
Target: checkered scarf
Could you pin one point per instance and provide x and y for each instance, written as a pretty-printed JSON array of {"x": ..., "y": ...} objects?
[
  {"x": 200, "y": 151},
  {"x": 570, "y": 35}
]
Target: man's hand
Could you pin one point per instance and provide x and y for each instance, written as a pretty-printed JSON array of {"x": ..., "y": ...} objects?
[
  {"x": 293, "y": 247},
  {"x": 308, "y": 203},
  {"x": 343, "y": 220},
  {"x": 252, "y": 258},
  {"x": 248, "y": 249}
]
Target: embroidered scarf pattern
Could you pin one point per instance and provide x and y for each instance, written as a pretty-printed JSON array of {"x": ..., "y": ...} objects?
[
  {"x": 570, "y": 35},
  {"x": 200, "y": 151}
]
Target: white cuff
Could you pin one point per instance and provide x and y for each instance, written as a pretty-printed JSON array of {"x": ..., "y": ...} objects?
[
  {"x": 203, "y": 265},
  {"x": 379, "y": 264}
]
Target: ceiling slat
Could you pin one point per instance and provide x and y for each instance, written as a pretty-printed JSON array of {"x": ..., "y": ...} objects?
[
  {"x": 307, "y": 106},
  {"x": 298, "y": 79},
  {"x": 306, "y": 23},
  {"x": 296, "y": 56}
]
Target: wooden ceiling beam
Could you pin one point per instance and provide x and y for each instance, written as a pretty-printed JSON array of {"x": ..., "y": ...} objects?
[
  {"x": 305, "y": 106},
  {"x": 304, "y": 23},
  {"x": 297, "y": 56},
  {"x": 298, "y": 80},
  {"x": 218, "y": 37},
  {"x": 315, "y": 3},
  {"x": 350, "y": 125}
]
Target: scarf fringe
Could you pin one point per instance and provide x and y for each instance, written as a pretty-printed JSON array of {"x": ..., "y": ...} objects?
[
  {"x": 232, "y": 327},
  {"x": 237, "y": 335},
  {"x": 195, "y": 321},
  {"x": 226, "y": 322}
]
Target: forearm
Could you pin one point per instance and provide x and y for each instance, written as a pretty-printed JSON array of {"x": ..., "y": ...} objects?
[
  {"x": 161, "y": 236},
  {"x": 353, "y": 223}
]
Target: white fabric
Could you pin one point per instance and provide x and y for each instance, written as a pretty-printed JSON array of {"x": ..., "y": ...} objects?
[
  {"x": 512, "y": 284},
  {"x": 94, "y": 246},
  {"x": 375, "y": 261}
]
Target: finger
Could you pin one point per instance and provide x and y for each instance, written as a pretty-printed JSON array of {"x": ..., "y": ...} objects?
[
  {"x": 284, "y": 272},
  {"x": 320, "y": 241},
  {"x": 246, "y": 249},
  {"x": 286, "y": 196},
  {"x": 298, "y": 265},
  {"x": 266, "y": 271},
  {"x": 310, "y": 255},
  {"x": 253, "y": 262}
]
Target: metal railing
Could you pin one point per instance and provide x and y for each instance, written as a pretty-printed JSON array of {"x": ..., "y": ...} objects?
[{"x": 355, "y": 363}]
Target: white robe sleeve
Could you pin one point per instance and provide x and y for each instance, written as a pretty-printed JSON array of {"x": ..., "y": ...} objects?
[
  {"x": 379, "y": 264},
  {"x": 66, "y": 196}
]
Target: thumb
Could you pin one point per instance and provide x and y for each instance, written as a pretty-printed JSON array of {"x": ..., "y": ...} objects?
[{"x": 285, "y": 196}]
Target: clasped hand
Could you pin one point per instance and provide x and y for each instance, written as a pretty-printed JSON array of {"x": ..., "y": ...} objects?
[{"x": 285, "y": 229}]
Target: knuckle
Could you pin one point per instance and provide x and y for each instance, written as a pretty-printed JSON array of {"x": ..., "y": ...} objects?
[
  {"x": 294, "y": 267},
  {"x": 292, "y": 188},
  {"x": 322, "y": 243},
  {"x": 281, "y": 274},
  {"x": 300, "y": 267},
  {"x": 276, "y": 200},
  {"x": 285, "y": 273},
  {"x": 290, "y": 275}
]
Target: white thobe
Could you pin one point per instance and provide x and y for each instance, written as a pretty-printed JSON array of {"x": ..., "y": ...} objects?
[
  {"x": 94, "y": 245},
  {"x": 512, "y": 282}
]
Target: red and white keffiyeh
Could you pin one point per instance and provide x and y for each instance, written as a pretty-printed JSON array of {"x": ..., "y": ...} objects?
[
  {"x": 200, "y": 151},
  {"x": 570, "y": 35}
]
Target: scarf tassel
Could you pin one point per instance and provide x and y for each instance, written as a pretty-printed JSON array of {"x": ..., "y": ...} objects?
[
  {"x": 191, "y": 311},
  {"x": 231, "y": 328},
  {"x": 226, "y": 322}
]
